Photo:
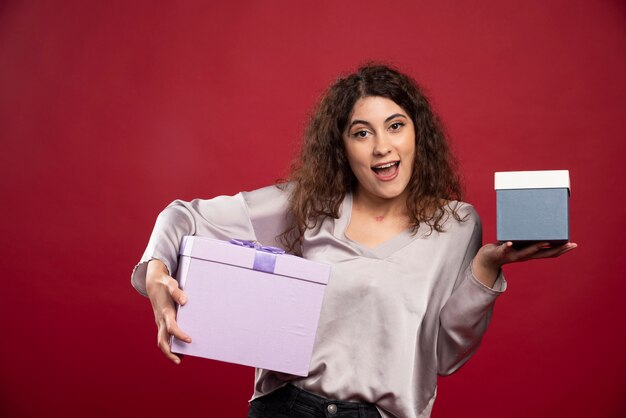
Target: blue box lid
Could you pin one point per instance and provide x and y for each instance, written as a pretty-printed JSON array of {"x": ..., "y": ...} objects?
[{"x": 545, "y": 179}]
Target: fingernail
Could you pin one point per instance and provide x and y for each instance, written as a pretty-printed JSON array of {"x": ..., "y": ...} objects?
[{"x": 183, "y": 300}]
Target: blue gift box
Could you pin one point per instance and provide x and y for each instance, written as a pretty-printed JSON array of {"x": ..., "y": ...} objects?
[{"x": 532, "y": 206}]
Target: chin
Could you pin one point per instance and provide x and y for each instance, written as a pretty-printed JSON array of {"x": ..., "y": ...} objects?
[{"x": 391, "y": 193}]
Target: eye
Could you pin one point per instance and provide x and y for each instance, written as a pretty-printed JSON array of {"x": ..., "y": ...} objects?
[
  {"x": 361, "y": 134},
  {"x": 396, "y": 126}
]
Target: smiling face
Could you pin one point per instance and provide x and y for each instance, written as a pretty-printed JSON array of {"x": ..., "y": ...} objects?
[{"x": 380, "y": 147}]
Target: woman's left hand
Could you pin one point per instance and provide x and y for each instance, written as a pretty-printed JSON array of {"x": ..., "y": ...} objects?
[{"x": 491, "y": 257}]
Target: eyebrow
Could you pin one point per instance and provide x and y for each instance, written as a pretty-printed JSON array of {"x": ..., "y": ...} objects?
[{"x": 364, "y": 122}]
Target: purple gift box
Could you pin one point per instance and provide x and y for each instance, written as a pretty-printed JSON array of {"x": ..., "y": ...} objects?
[{"x": 249, "y": 304}]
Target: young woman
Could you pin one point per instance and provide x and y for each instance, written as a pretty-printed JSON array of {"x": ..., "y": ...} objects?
[{"x": 375, "y": 194}]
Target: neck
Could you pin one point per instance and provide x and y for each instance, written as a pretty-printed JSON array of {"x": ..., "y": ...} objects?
[{"x": 379, "y": 208}]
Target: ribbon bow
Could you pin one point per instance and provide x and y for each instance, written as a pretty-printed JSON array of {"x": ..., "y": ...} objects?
[
  {"x": 264, "y": 258},
  {"x": 257, "y": 246}
]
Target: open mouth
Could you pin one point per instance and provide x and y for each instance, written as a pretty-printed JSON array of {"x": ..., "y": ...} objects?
[{"x": 386, "y": 169}]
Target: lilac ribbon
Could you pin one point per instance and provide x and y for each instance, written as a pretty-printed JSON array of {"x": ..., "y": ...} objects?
[{"x": 264, "y": 257}]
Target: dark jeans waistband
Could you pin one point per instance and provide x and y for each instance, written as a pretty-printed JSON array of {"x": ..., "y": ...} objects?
[{"x": 295, "y": 402}]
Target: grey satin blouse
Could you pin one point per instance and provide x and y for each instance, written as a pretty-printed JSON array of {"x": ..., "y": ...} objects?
[{"x": 393, "y": 317}]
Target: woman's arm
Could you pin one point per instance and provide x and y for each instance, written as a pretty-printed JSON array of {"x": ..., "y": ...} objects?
[
  {"x": 466, "y": 314},
  {"x": 218, "y": 218},
  {"x": 163, "y": 292},
  {"x": 222, "y": 217},
  {"x": 244, "y": 216}
]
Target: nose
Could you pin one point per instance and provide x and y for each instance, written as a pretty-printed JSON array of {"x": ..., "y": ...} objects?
[{"x": 381, "y": 145}]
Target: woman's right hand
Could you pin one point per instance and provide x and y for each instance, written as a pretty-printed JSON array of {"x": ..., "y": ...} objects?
[{"x": 163, "y": 292}]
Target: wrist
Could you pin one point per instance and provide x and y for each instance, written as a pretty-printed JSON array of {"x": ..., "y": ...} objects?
[
  {"x": 156, "y": 274},
  {"x": 484, "y": 270}
]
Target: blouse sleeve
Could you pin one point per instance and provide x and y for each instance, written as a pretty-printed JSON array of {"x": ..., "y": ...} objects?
[
  {"x": 466, "y": 314},
  {"x": 222, "y": 217}
]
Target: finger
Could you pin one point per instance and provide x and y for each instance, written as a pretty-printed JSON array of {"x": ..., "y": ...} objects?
[
  {"x": 564, "y": 249},
  {"x": 552, "y": 252},
  {"x": 175, "y": 292},
  {"x": 179, "y": 296},
  {"x": 173, "y": 329},
  {"x": 164, "y": 344},
  {"x": 530, "y": 251},
  {"x": 505, "y": 249},
  {"x": 163, "y": 306},
  {"x": 570, "y": 246}
]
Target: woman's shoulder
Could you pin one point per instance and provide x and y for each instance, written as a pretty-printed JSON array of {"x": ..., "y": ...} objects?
[
  {"x": 462, "y": 211},
  {"x": 274, "y": 196},
  {"x": 268, "y": 211}
]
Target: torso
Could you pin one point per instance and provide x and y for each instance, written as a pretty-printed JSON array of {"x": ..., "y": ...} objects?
[{"x": 376, "y": 339}]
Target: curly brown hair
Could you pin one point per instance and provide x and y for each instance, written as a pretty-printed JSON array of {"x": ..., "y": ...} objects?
[{"x": 321, "y": 176}]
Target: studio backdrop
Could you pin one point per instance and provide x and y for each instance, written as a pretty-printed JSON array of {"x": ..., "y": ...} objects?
[{"x": 111, "y": 110}]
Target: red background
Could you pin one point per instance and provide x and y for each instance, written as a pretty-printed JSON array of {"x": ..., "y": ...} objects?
[{"x": 110, "y": 110}]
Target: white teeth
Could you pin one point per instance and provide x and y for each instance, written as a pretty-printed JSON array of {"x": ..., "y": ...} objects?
[{"x": 386, "y": 165}]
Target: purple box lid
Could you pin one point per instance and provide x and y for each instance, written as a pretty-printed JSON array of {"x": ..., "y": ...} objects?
[{"x": 268, "y": 259}]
